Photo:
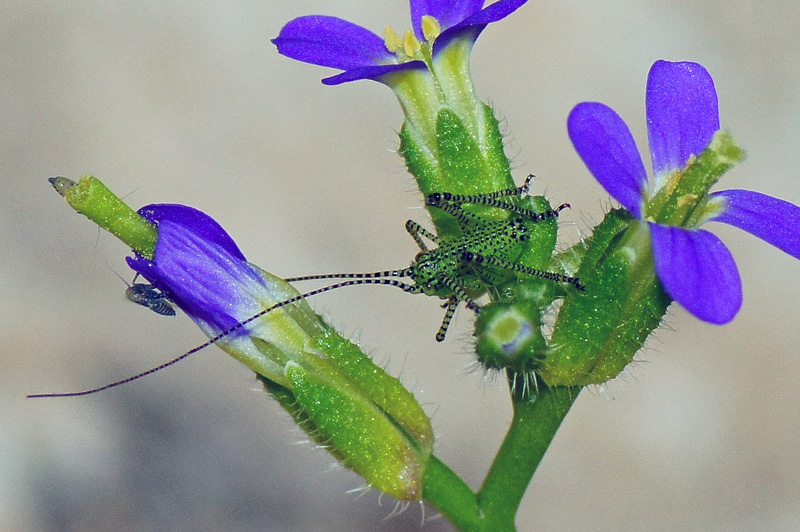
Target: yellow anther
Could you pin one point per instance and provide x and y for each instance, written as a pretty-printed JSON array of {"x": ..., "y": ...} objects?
[
  {"x": 687, "y": 199},
  {"x": 410, "y": 44},
  {"x": 391, "y": 39},
  {"x": 430, "y": 28}
]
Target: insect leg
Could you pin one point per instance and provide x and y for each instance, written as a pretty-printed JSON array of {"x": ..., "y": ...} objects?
[
  {"x": 415, "y": 230},
  {"x": 459, "y": 295},
  {"x": 544, "y": 215},
  {"x": 465, "y": 219},
  {"x": 455, "y": 201},
  {"x": 451, "y": 305},
  {"x": 480, "y": 198},
  {"x": 477, "y": 258}
]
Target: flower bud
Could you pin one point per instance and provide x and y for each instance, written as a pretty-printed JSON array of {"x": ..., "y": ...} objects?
[
  {"x": 360, "y": 413},
  {"x": 509, "y": 336}
]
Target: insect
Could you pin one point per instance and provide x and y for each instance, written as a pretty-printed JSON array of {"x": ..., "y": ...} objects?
[
  {"x": 148, "y": 296},
  {"x": 460, "y": 267},
  {"x": 458, "y": 270},
  {"x": 151, "y": 297}
]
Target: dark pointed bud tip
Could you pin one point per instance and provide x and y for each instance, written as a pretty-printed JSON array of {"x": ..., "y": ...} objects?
[{"x": 61, "y": 184}]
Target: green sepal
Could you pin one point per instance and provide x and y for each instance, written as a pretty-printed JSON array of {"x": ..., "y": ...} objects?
[
  {"x": 497, "y": 163},
  {"x": 598, "y": 331},
  {"x": 420, "y": 162},
  {"x": 462, "y": 163},
  {"x": 458, "y": 163},
  {"x": 359, "y": 433},
  {"x": 680, "y": 201},
  {"x": 381, "y": 388},
  {"x": 362, "y": 415},
  {"x": 543, "y": 235},
  {"x": 289, "y": 403}
]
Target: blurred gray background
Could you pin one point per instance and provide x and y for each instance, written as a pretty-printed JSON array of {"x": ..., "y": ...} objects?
[{"x": 189, "y": 102}]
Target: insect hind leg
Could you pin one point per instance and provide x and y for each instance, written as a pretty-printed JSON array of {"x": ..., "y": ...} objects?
[
  {"x": 488, "y": 260},
  {"x": 452, "y": 204},
  {"x": 478, "y": 199}
]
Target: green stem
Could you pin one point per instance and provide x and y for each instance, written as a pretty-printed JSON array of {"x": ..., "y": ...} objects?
[
  {"x": 449, "y": 494},
  {"x": 493, "y": 509},
  {"x": 533, "y": 426},
  {"x": 90, "y": 197}
]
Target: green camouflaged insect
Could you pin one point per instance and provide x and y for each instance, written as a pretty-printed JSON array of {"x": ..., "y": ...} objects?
[{"x": 462, "y": 269}]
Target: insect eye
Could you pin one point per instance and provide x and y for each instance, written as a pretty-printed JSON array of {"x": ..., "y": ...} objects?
[{"x": 433, "y": 199}]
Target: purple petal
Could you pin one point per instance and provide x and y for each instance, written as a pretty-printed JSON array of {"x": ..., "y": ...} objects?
[
  {"x": 682, "y": 113},
  {"x": 447, "y": 12},
  {"x": 199, "y": 266},
  {"x": 771, "y": 219},
  {"x": 607, "y": 148},
  {"x": 147, "y": 269},
  {"x": 697, "y": 271},
  {"x": 373, "y": 72},
  {"x": 198, "y": 221},
  {"x": 331, "y": 42},
  {"x": 212, "y": 286},
  {"x": 475, "y": 23}
]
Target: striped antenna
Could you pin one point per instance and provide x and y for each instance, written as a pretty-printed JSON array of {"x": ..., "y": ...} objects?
[{"x": 353, "y": 279}]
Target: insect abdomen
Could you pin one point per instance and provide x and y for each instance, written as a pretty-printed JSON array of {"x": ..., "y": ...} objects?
[{"x": 149, "y": 296}]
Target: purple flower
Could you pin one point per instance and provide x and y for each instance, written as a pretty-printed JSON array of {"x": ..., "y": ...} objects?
[
  {"x": 362, "y": 415},
  {"x": 693, "y": 265},
  {"x": 333, "y": 42},
  {"x": 198, "y": 265}
]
